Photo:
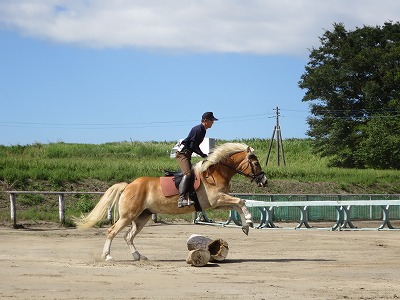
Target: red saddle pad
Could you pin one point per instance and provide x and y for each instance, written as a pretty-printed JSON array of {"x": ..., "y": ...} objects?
[{"x": 168, "y": 185}]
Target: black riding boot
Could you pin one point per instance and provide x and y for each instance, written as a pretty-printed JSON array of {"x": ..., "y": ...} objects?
[{"x": 183, "y": 190}]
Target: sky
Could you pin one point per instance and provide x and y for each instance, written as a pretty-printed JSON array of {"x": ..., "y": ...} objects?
[{"x": 99, "y": 71}]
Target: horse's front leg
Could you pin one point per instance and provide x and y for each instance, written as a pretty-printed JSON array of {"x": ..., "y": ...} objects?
[
  {"x": 238, "y": 205},
  {"x": 246, "y": 218}
]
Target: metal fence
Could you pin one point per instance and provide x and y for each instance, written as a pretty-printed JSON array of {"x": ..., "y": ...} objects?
[{"x": 323, "y": 213}]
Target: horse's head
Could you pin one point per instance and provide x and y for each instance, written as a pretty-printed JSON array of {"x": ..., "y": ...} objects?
[
  {"x": 251, "y": 167},
  {"x": 239, "y": 158}
]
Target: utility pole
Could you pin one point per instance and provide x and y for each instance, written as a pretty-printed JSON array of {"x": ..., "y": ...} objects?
[{"x": 279, "y": 142}]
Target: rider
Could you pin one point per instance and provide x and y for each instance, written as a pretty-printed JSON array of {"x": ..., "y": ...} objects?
[{"x": 188, "y": 146}]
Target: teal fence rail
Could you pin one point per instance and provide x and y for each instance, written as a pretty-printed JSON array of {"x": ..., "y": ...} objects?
[{"x": 323, "y": 213}]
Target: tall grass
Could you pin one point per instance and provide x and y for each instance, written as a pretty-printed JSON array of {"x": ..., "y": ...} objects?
[{"x": 59, "y": 163}]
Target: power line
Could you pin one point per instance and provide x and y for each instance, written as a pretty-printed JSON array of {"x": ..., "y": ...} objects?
[{"x": 249, "y": 117}]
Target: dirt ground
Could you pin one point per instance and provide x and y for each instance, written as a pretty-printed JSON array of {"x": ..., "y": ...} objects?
[{"x": 59, "y": 263}]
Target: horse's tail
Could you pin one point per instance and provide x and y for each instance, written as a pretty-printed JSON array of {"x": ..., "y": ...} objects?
[{"x": 109, "y": 199}]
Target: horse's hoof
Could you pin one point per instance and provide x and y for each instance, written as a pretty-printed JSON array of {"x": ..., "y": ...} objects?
[
  {"x": 250, "y": 223},
  {"x": 245, "y": 229},
  {"x": 137, "y": 256},
  {"x": 109, "y": 258},
  {"x": 106, "y": 257}
]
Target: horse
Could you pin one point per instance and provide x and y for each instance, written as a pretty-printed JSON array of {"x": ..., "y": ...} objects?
[{"x": 137, "y": 201}]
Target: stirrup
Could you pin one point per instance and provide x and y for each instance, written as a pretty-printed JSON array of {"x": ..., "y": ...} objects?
[
  {"x": 182, "y": 202},
  {"x": 185, "y": 203}
]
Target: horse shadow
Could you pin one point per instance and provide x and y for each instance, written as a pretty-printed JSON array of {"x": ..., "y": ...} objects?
[
  {"x": 253, "y": 260},
  {"x": 274, "y": 260}
]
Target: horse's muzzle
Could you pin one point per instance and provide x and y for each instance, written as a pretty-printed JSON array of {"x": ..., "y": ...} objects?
[{"x": 261, "y": 180}]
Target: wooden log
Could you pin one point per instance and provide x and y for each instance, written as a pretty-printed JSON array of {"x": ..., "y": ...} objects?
[
  {"x": 218, "y": 248},
  {"x": 196, "y": 241},
  {"x": 198, "y": 257}
]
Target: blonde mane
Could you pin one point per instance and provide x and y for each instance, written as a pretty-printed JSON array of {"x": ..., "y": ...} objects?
[{"x": 220, "y": 153}]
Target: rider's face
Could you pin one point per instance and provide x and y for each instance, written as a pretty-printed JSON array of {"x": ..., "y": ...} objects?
[{"x": 208, "y": 124}]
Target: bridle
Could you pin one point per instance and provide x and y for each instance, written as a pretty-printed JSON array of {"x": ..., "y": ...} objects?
[{"x": 257, "y": 177}]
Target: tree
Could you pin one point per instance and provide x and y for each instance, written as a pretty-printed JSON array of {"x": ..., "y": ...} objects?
[
  {"x": 381, "y": 146},
  {"x": 353, "y": 83}
]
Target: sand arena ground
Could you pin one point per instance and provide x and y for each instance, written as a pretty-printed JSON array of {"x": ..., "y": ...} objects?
[{"x": 47, "y": 262}]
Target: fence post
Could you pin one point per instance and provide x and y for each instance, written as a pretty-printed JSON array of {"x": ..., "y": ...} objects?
[
  {"x": 13, "y": 210},
  {"x": 370, "y": 209},
  {"x": 61, "y": 208}
]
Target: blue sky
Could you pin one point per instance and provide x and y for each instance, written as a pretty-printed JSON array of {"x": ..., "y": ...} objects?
[{"x": 103, "y": 71}]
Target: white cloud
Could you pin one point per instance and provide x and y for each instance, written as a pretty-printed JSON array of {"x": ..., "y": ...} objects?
[{"x": 252, "y": 26}]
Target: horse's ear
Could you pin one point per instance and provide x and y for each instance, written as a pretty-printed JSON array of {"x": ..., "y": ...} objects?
[{"x": 250, "y": 150}]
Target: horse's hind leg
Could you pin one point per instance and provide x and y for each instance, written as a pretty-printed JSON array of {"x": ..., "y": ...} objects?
[
  {"x": 112, "y": 232},
  {"x": 137, "y": 226}
]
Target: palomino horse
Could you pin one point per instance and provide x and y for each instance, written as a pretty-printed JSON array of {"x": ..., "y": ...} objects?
[{"x": 138, "y": 200}]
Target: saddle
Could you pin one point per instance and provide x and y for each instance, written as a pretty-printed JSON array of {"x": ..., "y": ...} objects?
[
  {"x": 170, "y": 183},
  {"x": 170, "y": 186}
]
